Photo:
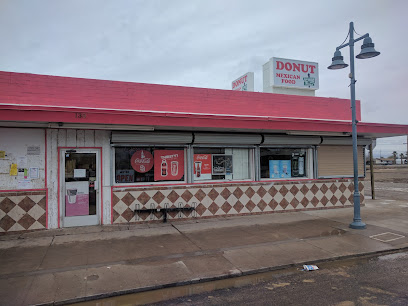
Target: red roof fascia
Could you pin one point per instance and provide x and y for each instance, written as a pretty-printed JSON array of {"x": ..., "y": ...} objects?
[
  {"x": 47, "y": 114},
  {"x": 382, "y": 128},
  {"x": 192, "y": 121},
  {"x": 33, "y": 91},
  {"x": 175, "y": 120}
]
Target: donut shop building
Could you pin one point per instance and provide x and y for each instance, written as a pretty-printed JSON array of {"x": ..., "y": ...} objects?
[{"x": 77, "y": 152}]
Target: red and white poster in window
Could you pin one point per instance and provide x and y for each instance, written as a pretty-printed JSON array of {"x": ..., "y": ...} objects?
[
  {"x": 202, "y": 167},
  {"x": 142, "y": 161},
  {"x": 168, "y": 165}
]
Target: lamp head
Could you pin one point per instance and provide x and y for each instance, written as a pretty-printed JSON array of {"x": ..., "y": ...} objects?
[
  {"x": 337, "y": 61},
  {"x": 367, "y": 49}
]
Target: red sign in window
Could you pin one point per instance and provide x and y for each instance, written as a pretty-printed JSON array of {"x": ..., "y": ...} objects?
[
  {"x": 142, "y": 161},
  {"x": 202, "y": 167},
  {"x": 168, "y": 165}
]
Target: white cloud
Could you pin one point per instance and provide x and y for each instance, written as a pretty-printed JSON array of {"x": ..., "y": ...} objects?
[{"x": 385, "y": 146}]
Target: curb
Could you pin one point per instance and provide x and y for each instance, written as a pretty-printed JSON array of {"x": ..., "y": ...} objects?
[{"x": 221, "y": 277}]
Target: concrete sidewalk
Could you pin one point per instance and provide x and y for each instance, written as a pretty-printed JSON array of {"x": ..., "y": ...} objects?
[{"x": 69, "y": 265}]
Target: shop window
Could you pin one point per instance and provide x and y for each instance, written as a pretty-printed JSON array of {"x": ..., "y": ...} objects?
[
  {"x": 281, "y": 163},
  {"x": 222, "y": 164},
  {"x": 149, "y": 164}
]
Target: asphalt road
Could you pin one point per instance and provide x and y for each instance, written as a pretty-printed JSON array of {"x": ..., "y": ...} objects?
[{"x": 364, "y": 281}]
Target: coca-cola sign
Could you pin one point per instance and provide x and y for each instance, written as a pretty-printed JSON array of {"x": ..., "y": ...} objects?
[
  {"x": 142, "y": 161},
  {"x": 221, "y": 164},
  {"x": 202, "y": 167},
  {"x": 168, "y": 165}
]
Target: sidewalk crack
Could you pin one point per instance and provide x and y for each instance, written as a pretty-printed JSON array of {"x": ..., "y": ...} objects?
[
  {"x": 188, "y": 238},
  {"x": 45, "y": 254}
]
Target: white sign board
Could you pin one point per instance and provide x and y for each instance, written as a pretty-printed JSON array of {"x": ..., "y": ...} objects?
[
  {"x": 244, "y": 83},
  {"x": 295, "y": 74}
]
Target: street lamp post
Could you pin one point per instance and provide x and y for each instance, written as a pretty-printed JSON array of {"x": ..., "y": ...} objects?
[{"x": 367, "y": 51}]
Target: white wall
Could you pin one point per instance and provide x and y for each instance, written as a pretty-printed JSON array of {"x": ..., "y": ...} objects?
[
  {"x": 57, "y": 138},
  {"x": 15, "y": 142},
  {"x": 292, "y": 91}
]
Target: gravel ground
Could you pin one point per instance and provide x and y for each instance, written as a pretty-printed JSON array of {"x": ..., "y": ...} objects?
[
  {"x": 389, "y": 174},
  {"x": 390, "y": 182}
]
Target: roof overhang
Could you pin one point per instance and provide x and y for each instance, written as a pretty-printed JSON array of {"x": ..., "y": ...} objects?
[
  {"x": 32, "y": 100},
  {"x": 73, "y": 118}
]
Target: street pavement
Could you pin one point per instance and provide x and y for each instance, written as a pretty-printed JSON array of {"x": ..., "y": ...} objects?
[
  {"x": 366, "y": 281},
  {"x": 80, "y": 264}
]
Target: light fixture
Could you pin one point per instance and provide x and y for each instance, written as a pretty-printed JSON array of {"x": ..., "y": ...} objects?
[
  {"x": 337, "y": 61},
  {"x": 367, "y": 49}
]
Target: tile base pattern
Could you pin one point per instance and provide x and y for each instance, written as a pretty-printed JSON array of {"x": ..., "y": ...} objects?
[
  {"x": 231, "y": 199},
  {"x": 22, "y": 211}
]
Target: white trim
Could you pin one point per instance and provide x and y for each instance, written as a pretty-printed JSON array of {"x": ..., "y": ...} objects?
[{"x": 398, "y": 236}]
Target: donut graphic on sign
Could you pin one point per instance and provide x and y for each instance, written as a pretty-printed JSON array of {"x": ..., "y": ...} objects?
[{"x": 142, "y": 161}]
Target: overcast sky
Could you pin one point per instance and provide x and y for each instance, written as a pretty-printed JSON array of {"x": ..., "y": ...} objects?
[{"x": 210, "y": 43}]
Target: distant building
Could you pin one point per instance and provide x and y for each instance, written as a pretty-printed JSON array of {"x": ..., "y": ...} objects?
[{"x": 384, "y": 161}]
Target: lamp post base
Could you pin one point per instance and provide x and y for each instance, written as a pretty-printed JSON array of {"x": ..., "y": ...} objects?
[{"x": 357, "y": 225}]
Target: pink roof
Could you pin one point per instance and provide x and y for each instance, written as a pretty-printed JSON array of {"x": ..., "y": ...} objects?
[{"x": 42, "y": 98}]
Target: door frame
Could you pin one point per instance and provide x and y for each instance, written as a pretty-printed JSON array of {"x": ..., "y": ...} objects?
[{"x": 79, "y": 220}]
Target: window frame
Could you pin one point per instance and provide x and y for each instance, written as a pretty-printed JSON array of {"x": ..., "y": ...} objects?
[
  {"x": 341, "y": 176},
  {"x": 251, "y": 163},
  {"x": 141, "y": 145},
  {"x": 254, "y": 163},
  {"x": 310, "y": 161}
]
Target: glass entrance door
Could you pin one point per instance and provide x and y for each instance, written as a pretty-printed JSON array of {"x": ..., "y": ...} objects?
[{"x": 80, "y": 180}]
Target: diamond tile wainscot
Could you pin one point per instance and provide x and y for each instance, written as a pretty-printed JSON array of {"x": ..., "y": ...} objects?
[
  {"x": 22, "y": 211},
  {"x": 229, "y": 199}
]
